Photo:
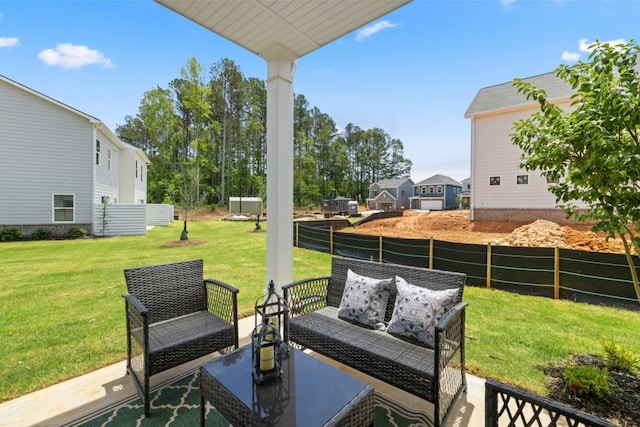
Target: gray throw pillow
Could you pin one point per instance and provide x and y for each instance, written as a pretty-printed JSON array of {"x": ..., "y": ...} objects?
[
  {"x": 364, "y": 299},
  {"x": 418, "y": 309}
]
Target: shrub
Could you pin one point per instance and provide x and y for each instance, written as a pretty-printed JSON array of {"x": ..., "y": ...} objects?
[
  {"x": 10, "y": 234},
  {"x": 619, "y": 358},
  {"x": 588, "y": 380},
  {"x": 41, "y": 233},
  {"x": 77, "y": 232}
]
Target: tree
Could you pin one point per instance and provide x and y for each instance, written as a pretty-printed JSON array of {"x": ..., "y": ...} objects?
[{"x": 593, "y": 150}]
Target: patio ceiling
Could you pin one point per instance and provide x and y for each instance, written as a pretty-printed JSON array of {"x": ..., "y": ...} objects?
[{"x": 300, "y": 26}]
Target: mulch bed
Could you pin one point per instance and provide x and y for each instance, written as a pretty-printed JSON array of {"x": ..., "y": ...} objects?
[{"x": 623, "y": 405}]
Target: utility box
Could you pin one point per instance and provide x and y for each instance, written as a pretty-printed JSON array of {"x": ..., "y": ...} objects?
[
  {"x": 353, "y": 208},
  {"x": 337, "y": 206},
  {"x": 245, "y": 205}
]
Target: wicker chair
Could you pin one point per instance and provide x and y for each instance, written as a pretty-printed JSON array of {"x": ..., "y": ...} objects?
[{"x": 173, "y": 316}]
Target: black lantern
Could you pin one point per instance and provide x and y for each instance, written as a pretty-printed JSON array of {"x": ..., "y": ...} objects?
[{"x": 266, "y": 339}]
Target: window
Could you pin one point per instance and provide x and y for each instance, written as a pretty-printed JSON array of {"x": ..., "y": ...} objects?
[
  {"x": 431, "y": 189},
  {"x": 63, "y": 207},
  {"x": 423, "y": 190},
  {"x": 402, "y": 192},
  {"x": 375, "y": 193},
  {"x": 109, "y": 154},
  {"x": 97, "y": 152},
  {"x": 136, "y": 168},
  {"x": 522, "y": 179},
  {"x": 494, "y": 180},
  {"x": 439, "y": 189},
  {"x": 141, "y": 172},
  {"x": 552, "y": 181}
]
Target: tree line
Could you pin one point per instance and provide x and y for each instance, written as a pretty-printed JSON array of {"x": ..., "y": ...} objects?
[{"x": 205, "y": 135}]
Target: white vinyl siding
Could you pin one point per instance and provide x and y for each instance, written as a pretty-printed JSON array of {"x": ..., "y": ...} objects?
[
  {"x": 45, "y": 149},
  {"x": 107, "y": 181},
  {"x": 496, "y": 156}
]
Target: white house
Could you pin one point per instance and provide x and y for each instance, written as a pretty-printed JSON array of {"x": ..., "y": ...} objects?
[
  {"x": 501, "y": 189},
  {"x": 59, "y": 166}
]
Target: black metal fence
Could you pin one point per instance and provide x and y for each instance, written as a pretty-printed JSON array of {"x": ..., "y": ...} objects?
[
  {"x": 507, "y": 405},
  {"x": 592, "y": 277}
]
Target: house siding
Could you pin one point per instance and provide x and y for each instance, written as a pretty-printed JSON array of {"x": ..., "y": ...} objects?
[
  {"x": 107, "y": 181},
  {"x": 494, "y": 155},
  {"x": 52, "y": 142},
  {"x": 140, "y": 183}
]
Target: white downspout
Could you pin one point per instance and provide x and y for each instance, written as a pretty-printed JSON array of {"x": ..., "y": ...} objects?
[{"x": 473, "y": 175}]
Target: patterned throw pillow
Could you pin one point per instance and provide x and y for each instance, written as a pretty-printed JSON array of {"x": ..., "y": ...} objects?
[
  {"x": 418, "y": 309},
  {"x": 364, "y": 299}
]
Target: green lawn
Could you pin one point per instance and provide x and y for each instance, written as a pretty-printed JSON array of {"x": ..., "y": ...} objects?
[{"x": 63, "y": 315}]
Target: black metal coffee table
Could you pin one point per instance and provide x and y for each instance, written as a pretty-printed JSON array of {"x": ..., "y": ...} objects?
[{"x": 310, "y": 393}]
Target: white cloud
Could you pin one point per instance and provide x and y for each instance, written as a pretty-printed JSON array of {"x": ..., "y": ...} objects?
[
  {"x": 374, "y": 28},
  {"x": 8, "y": 41},
  {"x": 570, "y": 56},
  {"x": 68, "y": 55},
  {"x": 583, "y": 44}
]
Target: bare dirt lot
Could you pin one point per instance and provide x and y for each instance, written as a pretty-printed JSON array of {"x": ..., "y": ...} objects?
[{"x": 455, "y": 226}]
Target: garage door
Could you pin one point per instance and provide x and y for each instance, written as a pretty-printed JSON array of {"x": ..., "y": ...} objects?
[{"x": 431, "y": 205}]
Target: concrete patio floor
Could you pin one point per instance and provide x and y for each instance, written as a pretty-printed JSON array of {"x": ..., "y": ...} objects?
[{"x": 64, "y": 402}]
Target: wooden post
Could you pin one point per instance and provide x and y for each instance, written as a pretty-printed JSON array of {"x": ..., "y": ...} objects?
[
  {"x": 431, "y": 253},
  {"x": 297, "y": 234},
  {"x": 331, "y": 240},
  {"x": 489, "y": 265},
  {"x": 380, "y": 250},
  {"x": 556, "y": 275}
]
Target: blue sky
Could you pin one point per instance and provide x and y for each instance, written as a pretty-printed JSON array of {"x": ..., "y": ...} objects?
[{"x": 412, "y": 73}]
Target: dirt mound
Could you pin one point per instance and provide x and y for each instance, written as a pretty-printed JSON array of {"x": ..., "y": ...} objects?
[{"x": 540, "y": 233}]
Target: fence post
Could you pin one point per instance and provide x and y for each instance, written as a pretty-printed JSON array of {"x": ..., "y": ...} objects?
[
  {"x": 380, "y": 250},
  {"x": 556, "y": 273},
  {"x": 331, "y": 240},
  {"x": 489, "y": 265},
  {"x": 297, "y": 234},
  {"x": 431, "y": 253}
]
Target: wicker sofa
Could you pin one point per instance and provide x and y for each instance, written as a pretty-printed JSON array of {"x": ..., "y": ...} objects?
[
  {"x": 436, "y": 374},
  {"x": 173, "y": 316}
]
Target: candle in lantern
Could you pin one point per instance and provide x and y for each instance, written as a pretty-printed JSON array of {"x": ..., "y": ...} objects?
[{"x": 267, "y": 359}]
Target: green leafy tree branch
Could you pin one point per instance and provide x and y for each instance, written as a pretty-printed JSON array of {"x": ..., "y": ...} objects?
[{"x": 591, "y": 151}]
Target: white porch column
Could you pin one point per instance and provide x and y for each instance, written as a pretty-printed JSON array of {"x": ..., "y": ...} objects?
[{"x": 280, "y": 71}]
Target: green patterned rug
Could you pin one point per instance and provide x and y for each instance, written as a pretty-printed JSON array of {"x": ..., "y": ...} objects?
[{"x": 176, "y": 403}]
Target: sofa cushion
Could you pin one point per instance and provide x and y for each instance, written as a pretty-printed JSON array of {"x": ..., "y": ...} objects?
[
  {"x": 418, "y": 309},
  {"x": 364, "y": 299}
]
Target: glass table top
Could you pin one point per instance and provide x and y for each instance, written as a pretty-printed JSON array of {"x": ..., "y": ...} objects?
[{"x": 309, "y": 389}]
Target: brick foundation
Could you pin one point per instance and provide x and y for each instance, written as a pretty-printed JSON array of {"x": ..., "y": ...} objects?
[{"x": 522, "y": 215}]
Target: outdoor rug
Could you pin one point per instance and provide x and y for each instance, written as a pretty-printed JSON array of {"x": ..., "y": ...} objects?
[{"x": 176, "y": 403}]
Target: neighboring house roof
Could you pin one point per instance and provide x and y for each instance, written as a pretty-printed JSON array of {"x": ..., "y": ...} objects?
[
  {"x": 439, "y": 179},
  {"x": 94, "y": 121},
  {"x": 391, "y": 183},
  {"x": 505, "y": 95},
  {"x": 464, "y": 181}
]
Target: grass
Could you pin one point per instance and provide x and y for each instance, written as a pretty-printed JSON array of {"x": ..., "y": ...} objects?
[{"x": 62, "y": 313}]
